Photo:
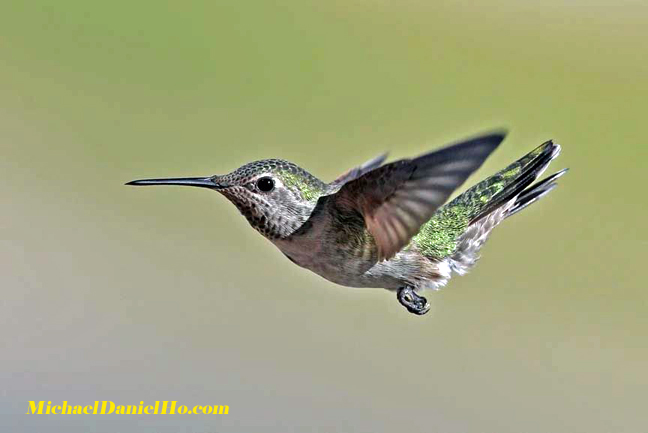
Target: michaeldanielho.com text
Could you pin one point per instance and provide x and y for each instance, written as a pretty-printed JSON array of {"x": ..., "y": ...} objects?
[{"x": 107, "y": 407}]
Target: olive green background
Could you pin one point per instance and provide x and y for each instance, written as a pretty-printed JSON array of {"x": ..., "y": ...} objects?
[{"x": 115, "y": 293}]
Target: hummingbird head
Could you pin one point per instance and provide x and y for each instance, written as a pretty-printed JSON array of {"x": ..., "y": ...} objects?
[{"x": 276, "y": 197}]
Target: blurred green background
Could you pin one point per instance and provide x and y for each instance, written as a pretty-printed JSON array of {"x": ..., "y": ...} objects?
[{"x": 125, "y": 294}]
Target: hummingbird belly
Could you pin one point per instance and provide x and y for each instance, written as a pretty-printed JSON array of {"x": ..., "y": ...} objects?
[
  {"x": 353, "y": 267},
  {"x": 342, "y": 250}
]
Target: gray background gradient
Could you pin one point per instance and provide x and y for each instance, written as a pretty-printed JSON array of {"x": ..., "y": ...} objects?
[{"x": 115, "y": 293}]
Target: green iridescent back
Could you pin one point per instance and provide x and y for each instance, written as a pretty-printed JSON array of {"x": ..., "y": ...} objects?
[{"x": 438, "y": 238}]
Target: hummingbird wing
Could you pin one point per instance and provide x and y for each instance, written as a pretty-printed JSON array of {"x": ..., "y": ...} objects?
[
  {"x": 358, "y": 171},
  {"x": 396, "y": 199}
]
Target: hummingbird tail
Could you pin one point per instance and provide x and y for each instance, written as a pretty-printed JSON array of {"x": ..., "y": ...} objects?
[
  {"x": 535, "y": 192},
  {"x": 497, "y": 198},
  {"x": 515, "y": 182}
]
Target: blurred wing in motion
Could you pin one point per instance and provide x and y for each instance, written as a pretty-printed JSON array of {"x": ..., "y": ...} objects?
[
  {"x": 397, "y": 198},
  {"x": 356, "y": 172}
]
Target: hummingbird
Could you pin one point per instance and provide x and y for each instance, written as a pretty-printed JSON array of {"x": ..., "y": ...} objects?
[{"x": 385, "y": 225}]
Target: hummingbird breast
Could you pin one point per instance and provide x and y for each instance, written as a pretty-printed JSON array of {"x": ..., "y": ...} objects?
[{"x": 342, "y": 250}]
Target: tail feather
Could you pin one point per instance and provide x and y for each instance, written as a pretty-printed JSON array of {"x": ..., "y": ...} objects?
[
  {"x": 511, "y": 182},
  {"x": 500, "y": 196},
  {"x": 535, "y": 192},
  {"x": 459, "y": 229}
]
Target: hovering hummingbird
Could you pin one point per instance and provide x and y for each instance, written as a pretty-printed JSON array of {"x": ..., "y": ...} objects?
[{"x": 384, "y": 225}]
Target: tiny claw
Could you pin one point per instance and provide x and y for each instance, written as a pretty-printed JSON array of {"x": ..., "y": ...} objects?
[{"x": 411, "y": 300}]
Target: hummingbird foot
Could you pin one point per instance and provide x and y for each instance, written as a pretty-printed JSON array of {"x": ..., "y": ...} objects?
[{"x": 411, "y": 300}]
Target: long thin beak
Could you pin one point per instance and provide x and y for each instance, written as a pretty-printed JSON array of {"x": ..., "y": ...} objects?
[{"x": 201, "y": 182}]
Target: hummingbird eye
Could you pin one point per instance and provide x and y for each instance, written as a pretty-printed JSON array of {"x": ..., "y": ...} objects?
[{"x": 265, "y": 184}]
